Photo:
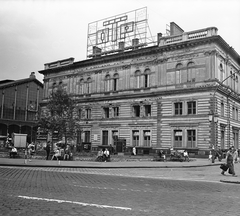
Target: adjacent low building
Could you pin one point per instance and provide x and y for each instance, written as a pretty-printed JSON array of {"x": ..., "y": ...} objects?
[
  {"x": 19, "y": 106},
  {"x": 182, "y": 92}
]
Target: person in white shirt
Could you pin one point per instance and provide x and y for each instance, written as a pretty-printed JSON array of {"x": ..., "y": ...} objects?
[
  {"x": 106, "y": 155},
  {"x": 13, "y": 152},
  {"x": 185, "y": 155}
]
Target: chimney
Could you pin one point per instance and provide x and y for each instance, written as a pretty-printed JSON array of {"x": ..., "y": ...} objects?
[
  {"x": 135, "y": 43},
  {"x": 96, "y": 50},
  {"x": 159, "y": 36},
  {"x": 32, "y": 75},
  {"x": 121, "y": 45},
  {"x": 175, "y": 29}
]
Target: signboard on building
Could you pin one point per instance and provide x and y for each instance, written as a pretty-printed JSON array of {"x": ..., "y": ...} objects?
[{"x": 118, "y": 33}]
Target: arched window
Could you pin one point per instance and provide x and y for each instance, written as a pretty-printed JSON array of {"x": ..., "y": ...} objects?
[
  {"x": 89, "y": 81},
  {"x": 81, "y": 86},
  {"x": 146, "y": 78},
  {"x": 178, "y": 73},
  {"x": 54, "y": 87},
  {"x": 191, "y": 74},
  {"x": 115, "y": 82},
  {"x": 107, "y": 82},
  {"x": 137, "y": 79}
]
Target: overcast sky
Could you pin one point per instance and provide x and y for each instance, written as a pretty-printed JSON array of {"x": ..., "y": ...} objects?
[{"x": 33, "y": 33}]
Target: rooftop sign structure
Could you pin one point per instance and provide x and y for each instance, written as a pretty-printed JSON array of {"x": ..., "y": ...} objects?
[{"x": 118, "y": 33}]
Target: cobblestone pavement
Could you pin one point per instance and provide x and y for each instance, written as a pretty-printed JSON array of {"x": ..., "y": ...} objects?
[{"x": 85, "y": 191}]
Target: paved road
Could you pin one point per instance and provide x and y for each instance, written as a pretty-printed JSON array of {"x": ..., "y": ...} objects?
[{"x": 142, "y": 191}]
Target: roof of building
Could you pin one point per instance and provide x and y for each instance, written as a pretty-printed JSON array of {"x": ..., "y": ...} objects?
[
  {"x": 177, "y": 40},
  {"x": 10, "y": 83}
]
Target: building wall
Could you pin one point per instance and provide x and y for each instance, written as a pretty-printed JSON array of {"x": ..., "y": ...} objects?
[
  {"x": 19, "y": 108},
  {"x": 179, "y": 72}
]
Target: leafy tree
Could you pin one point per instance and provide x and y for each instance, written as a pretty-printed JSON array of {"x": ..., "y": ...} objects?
[{"x": 59, "y": 115}]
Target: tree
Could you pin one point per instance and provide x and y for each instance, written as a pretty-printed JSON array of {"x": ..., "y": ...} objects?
[{"x": 59, "y": 115}]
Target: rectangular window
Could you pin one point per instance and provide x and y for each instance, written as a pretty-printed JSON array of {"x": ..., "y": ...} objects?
[
  {"x": 88, "y": 88},
  {"x": 79, "y": 138},
  {"x": 105, "y": 138},
  {"x": 235, "y": 134},
  {"x": 87, "y": 136},
  {"x": 106, "y": 112},
  {"x": 135, "y": 137},
  {"x": 222, "y": 137},
  {"x": 88, "y": 113},
  {"x": 147, "y": 138},
  {"x": 146, "y": 80},
  {"x": 178, "y": 108},
  {"x": 115, "y": 111},
  {"x": 115, "y": 84},
  {"x": 114, "y": 136},
  {"x": 147, "y": 110},
  {"x": 191, "y": 107},
  {"x": 236, "y": 114},
  {"x": 177, "y": 138},
  {"x": 191, "y": 138},
  {"x": 136, "y": 111},
  {"x": 233, "y": 113},
  {"x": 222, "y": 109}
]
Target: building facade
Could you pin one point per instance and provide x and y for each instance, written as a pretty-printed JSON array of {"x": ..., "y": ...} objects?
[
  {"x": 19, "y": 106},
  {"x": 181, "y": 93}
]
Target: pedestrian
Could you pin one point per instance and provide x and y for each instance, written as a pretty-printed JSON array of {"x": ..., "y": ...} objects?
[
  {"x": 100, "y": 155},
  {"x": 67, "y": 153},
  {"x": 47, "y": 148},
  {"x": 185, "y": 155},
  {"x": 235, "y": 156},
  {"x": 31, "y": 150},
  {"x": 134, "y": 150},
  {"x": 13, "y": 152},
  {"x": 230, "y": 165},
  {"x": 210, "y": 155},
  {"x": 56, "y": 155},
  {"x": 106, "y": 155}
]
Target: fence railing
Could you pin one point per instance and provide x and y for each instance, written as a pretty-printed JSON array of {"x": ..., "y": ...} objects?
[{"x": 202, "y": 33}]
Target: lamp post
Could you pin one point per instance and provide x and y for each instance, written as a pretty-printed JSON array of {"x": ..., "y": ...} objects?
[{"x": 213, "y": 117}]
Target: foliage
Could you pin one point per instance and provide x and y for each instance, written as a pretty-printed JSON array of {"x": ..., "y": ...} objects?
[{"x": 59, "y": 115}]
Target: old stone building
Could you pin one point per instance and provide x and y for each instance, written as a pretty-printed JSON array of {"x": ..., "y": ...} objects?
[
  {"x": 20, "y": 106},
  {"x": 182, "y": 92}
]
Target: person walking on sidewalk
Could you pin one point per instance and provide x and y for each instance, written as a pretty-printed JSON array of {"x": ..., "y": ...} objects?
[{"x": 230, "y": 165}]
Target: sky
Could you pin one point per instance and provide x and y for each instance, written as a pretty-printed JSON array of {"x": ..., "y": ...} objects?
[{"x": 33, "y": 33}]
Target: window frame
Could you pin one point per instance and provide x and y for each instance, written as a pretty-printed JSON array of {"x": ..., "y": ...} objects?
[
  {"x": 191, "y": 105},
  {"x": 178, "y": 110}
]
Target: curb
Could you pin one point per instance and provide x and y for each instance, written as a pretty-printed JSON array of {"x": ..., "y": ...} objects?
[
  {"x": 232, "y": 182},
  {"x": 107, "y": 167}
]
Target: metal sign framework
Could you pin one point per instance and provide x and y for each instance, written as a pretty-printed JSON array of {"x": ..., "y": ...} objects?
[{"x": 117, "y": 33}]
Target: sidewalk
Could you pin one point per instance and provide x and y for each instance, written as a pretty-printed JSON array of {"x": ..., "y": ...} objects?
[
  {"x": 113, "y": 164},
  {"x": 208, "y": 174}
]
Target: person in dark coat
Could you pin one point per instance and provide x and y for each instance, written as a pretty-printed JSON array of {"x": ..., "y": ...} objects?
[
  {"x": 230, "y": 164},
  {"x": 48, "y": 150}
]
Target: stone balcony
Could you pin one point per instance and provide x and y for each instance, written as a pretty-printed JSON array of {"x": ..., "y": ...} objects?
[{"x": 187, "y": 36}]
